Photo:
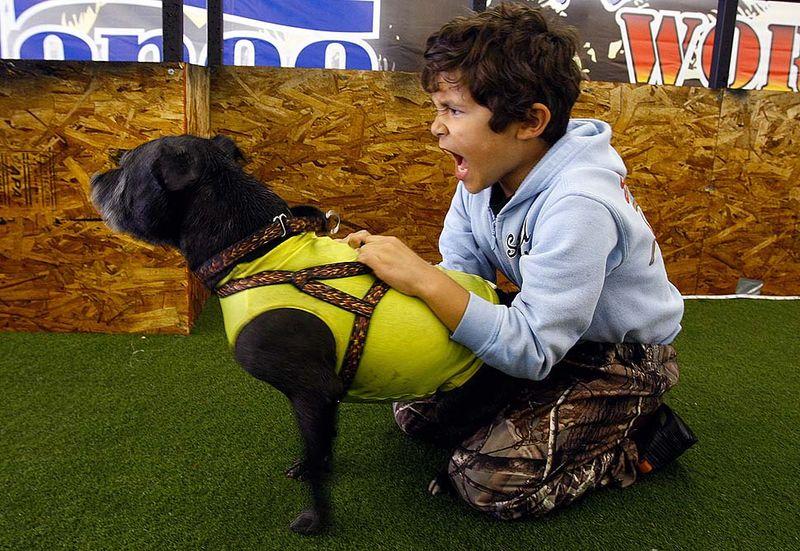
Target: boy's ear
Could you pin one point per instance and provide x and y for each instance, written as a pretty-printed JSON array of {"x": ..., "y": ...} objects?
[{"x": 538, "y": 118}]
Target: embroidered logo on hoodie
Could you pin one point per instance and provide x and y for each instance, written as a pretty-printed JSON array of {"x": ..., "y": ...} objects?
[{"x": 513, "y": 246}]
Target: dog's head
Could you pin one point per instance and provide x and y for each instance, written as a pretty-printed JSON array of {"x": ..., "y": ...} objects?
[{"x": 149, "y": 193}]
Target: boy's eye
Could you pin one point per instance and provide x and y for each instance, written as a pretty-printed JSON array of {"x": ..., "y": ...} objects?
[{"x": 455, "y": 111}]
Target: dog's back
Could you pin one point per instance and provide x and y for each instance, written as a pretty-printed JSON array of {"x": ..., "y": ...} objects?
[{"x": 408, "y": 353}]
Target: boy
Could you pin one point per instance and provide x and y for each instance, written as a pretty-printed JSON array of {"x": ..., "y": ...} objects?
[{"x": 542, "y": 198}]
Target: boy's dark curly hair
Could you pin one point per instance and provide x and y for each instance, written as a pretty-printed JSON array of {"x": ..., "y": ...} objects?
[{"x": 509, "y": 57}]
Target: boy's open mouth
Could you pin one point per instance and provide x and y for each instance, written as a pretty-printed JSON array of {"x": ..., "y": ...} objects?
[{"x": 462, "y": 168}]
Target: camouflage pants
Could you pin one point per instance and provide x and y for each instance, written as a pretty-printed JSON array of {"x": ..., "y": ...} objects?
[{"x": 552, "y": 440}]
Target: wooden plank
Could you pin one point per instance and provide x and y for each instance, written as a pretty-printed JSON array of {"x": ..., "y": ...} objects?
[
  {"x": 198, "y": 122},
  {"x": 754, "y": 211},
  {"x": 367, "y": 151},
  {"x": 356, "y": 142},
  {"x": 666, "y": 136},
  {"x": 62, "y": 269},
  {"x": 64, "y": 275},
  {"x": 198, "y": 88}
]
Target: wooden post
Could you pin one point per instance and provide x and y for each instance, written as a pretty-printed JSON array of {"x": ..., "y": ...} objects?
[
  {"x": 172, "y": 29},
  {"x": 215, "y": 23},
  {"x": 723, "y": 43}
]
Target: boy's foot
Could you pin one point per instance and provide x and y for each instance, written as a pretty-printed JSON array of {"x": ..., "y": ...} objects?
[{"x": 663, "y": 439}]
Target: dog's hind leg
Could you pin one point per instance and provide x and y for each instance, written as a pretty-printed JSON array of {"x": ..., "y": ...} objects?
[
  {"x": 295, "y": 352},
  {"x": 298, "y": 469},
  {"x": 316, "y": 420}
]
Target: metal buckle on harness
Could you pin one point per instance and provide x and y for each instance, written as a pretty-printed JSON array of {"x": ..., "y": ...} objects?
[
  {"x": 282, "y": 218},
  {"x": 338, "y": 220}
]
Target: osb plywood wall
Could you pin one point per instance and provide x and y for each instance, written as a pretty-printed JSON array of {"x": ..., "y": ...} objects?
[
  {"x": 716, "y": 173},
  {"x": 753, "y": 218},
  {"x": 61, "y": 269},
  {"x": 357, "y": 142}
]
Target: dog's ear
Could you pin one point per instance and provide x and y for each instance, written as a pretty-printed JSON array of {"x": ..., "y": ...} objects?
[
  {"x": 176, "y": 167},
  {"x": 229, "y": 148}
]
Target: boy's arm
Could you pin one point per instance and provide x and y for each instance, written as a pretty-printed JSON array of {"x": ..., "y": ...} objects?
[
  {"x": 405, "y": 271},
  {"x": 457, "y": 244},
  {"x": 396, "y": 264},
  {"x": 562, "y": 278}
]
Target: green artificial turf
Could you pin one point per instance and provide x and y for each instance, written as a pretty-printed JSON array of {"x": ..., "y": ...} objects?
[{"x": 161, "y": 442}]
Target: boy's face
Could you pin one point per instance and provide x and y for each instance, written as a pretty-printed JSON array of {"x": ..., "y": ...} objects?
[{"x": 482, "y": 156}]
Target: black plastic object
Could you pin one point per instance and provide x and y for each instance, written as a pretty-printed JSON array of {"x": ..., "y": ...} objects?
[{"x": 663, "y": 439}]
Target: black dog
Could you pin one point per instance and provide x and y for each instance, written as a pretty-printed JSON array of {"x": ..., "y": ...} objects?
[{"x": 192, "y": 194}]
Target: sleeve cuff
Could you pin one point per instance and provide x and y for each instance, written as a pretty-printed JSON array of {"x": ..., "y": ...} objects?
[{"x": 479, "y": 325}]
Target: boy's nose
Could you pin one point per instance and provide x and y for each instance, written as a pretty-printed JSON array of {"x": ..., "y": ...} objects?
[{"x": 437, "y": 128}]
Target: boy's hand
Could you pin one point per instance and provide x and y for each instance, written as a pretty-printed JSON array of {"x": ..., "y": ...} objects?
[
  {"x": 392, "y": 261},
  {"x": 400, "y": 267},
  {"x": 356, "y": 239}
]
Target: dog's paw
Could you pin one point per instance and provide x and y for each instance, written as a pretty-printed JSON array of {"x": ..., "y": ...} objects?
[
  {"x": 299, "y": 471},
  {"x": 307, "y": 523},
  {"x": 296, "y": 471},
  {"x": 440, "y": 484}
]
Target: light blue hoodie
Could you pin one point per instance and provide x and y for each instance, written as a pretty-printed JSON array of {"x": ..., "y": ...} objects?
[{"x": 578, "y": 246}]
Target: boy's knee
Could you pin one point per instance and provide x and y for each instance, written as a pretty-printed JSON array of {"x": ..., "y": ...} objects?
[
  {"x": 511, "y": 488},
  {"x": 503, "y": 491}
]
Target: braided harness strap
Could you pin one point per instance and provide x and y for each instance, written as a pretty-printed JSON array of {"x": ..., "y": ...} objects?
[
  {"x": 306, "y": 280},
  {"x": 282, "y": 226}
]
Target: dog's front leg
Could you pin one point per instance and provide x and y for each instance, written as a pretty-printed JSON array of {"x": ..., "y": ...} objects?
[{"x": 316, "y": 420}]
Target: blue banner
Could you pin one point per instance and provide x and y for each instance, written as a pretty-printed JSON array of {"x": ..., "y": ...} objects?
[
  {"x": 336, "y": 34},
  {"x": 307, "y": 33}
]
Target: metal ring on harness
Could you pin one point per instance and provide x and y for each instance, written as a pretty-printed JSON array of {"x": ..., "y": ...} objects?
[
  {"x": 328, "y": 215},
  {"x": 281, "y": 218}
]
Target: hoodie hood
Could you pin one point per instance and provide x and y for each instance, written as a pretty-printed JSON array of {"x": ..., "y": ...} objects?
[{"x": 587, "y": 143}]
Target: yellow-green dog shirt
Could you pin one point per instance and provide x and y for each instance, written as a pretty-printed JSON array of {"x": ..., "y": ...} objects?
[{"x": 408, "y": 352}]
